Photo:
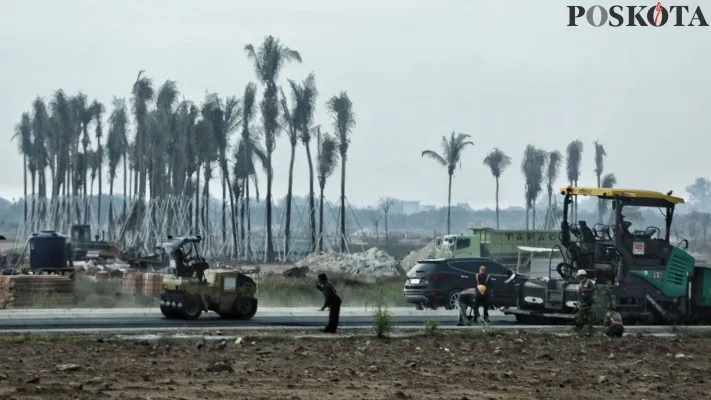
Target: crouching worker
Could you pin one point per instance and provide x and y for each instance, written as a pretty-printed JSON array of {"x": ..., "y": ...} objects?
[
  {"x": 331, "y": 300},
  {"x": 467, "y": 299}
]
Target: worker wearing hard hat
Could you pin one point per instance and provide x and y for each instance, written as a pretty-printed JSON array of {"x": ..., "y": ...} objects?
[
  {"x": 482, "y": 293},
  {"x": 585, "y": 316}
]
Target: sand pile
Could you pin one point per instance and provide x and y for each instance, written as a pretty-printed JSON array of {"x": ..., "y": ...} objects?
[{"x": 373, "y": 262}]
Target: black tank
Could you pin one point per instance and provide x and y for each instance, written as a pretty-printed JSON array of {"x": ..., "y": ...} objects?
[{"x": 48, "y": 250}]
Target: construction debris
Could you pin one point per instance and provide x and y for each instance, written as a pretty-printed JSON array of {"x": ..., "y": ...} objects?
[
  {"x": 373, "y": 262},
  {"x": 421, "y": 254}
]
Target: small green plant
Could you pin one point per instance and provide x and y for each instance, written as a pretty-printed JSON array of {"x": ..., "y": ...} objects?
[
  {"x": 383, "y": 322},
  {"x": 431, "y": 326}
]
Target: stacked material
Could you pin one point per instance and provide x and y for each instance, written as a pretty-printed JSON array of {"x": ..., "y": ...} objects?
[
  {"x": 25, "y": 291},
  {"x": 152, "y": 285},
  {"x": 132, "y": 283}
]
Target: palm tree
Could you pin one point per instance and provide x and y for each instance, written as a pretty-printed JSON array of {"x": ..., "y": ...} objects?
[
  {"x": 23, "y": 134},
  {"x": 247, "y": 151},
  {"x": 116, "y": 147},
  {"x": 289, "y": 123},
  {"x": 142, "y": 95},
  {"x": 554, "y": 161},
  {"x": 98, "y": 113},
  {"x": 268, "y": 61},
  {"x": 575, "y": 154},
  {"x": 225, "y": 118},
  {"x": 304, "y": 97},
  {"x": 599, "y": 166},
  {"x": 608, "y": 181},
  {"x": 326, "y": 162},
  {"x": 532, "y": 166},
  {"x": 452, "y": 149},
  {"x": 41, "y": 133},
  {"x": 344, "y": 121},
  {"x": 497, "y": 161}
]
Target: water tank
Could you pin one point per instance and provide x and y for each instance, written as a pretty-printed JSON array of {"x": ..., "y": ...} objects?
[{"x": 48, "y": 250}]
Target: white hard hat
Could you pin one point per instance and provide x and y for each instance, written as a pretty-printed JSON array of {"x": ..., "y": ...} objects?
[{"x": 581, "y": 272}]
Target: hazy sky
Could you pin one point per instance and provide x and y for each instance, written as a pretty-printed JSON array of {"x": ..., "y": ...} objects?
[{"x": 508, "y": 73}]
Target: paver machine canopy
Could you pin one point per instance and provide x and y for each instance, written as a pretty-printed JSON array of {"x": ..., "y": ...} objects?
[
  {"x": 195, "y": 287},
  {"x": 610, "y": 249}
]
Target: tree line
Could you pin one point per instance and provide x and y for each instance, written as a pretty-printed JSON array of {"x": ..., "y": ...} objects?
[
  {"x": 176, "y": 145},
  {"x": 539, "y": 167}
]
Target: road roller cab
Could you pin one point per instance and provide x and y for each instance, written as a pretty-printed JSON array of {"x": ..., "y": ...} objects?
[{"x": 196, "y": 288}]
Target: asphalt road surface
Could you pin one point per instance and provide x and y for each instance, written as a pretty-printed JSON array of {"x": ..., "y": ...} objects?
[{"x": 137, "y": 318}]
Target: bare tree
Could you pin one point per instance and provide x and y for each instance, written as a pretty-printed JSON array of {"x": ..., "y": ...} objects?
[{"x": 385, "y": 204}]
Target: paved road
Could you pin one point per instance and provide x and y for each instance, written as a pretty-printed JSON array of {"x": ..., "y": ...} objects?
[{"x": 141, "y": 318}]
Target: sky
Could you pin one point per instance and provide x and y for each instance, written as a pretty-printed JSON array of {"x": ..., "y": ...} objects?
[{"x": 507, "y": 73}]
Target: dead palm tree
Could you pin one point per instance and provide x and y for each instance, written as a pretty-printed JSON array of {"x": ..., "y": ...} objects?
[
  {"x": 142, "y": 95},
  {"x": 497, "y": 161},
  {"x": 452, "y": 149},
  {"x": 268, "y": 61},
  {"x": 553, "y": 166},
  {"x": 599, "y": 166},
  {"x": 574, "y": 157},
  {"x": 344, "y": 121},
  {"x": 532, "y": 166},
  {"x": 40, "y": 140},
  {"x": 326, "y": 162}
]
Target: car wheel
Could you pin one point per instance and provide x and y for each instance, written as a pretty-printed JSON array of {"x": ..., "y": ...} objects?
[
  {"x": 419, "y": 306},
  {"x": 452, "y": 301}
]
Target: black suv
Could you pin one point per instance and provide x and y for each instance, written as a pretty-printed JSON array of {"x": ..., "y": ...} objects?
[{"x": 435, "y": 283}]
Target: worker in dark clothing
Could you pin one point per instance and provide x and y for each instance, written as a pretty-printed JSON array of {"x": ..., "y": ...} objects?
[
  {"x": 467, "y": 299},
  {"x": 482, "y": 294},
  {"x": 331, "y": 300},
  {"x": 585, "y": 316}
]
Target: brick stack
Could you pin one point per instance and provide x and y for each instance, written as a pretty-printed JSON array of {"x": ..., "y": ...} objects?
[
  {"x": 132, "y": 283},
  {"x": 27, "y": 291},
  {"x": 152, "y": 285}
]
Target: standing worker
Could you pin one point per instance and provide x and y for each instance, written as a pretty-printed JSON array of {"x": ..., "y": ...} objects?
[
  {"x": 467, "y": 298},
  {"x": 331, "y": 300},
  {"x": 585, "y": 316},
  {"x": 482, "y": 294}
]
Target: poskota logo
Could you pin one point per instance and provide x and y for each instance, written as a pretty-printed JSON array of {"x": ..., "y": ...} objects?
[{"x": 655, "y": 15}]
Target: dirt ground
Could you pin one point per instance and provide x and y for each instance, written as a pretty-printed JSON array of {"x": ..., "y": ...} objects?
[{"x": 440, "y": 367}]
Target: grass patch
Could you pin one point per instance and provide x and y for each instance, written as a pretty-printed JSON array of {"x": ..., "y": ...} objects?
[
  {"x": 280, "y": 291},
  {"x": 90, "y": 293},
  {"x": 431, "y": 326},
  {"x": 383, "y": 322}
]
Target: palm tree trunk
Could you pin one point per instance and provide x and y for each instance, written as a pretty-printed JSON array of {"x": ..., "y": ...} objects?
[
  {"x": 497, "y": 202},
  {"x": 528, "y": 210},
  {"x": 270, "y": 244},
  {"x": 24, "y": 181},
  {"x": 232, "y": 215},
  {"x": 111, "y": 208},
  {"x": 549, "y": 222},
  {"x": 343, "y": 202},
  {"x": 224, "y": 209},
  {"x": 249, "y": 219},
  {"x": 533, "y": 215},
  {"x": 312, "y": 206},
  {"x": 287, "y": 227},
  {"x": 241, "y": 217},
  {"x": 197, "y": 201},
  {"x": 449, "y": 205},
  {"x": 33, "y": 175},
  {"x": 320, "y": 219},
  {"x": 99, "y": 225}
]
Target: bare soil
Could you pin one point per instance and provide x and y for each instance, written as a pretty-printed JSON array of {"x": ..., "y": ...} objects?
[{"x": 439, "y": 367}]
